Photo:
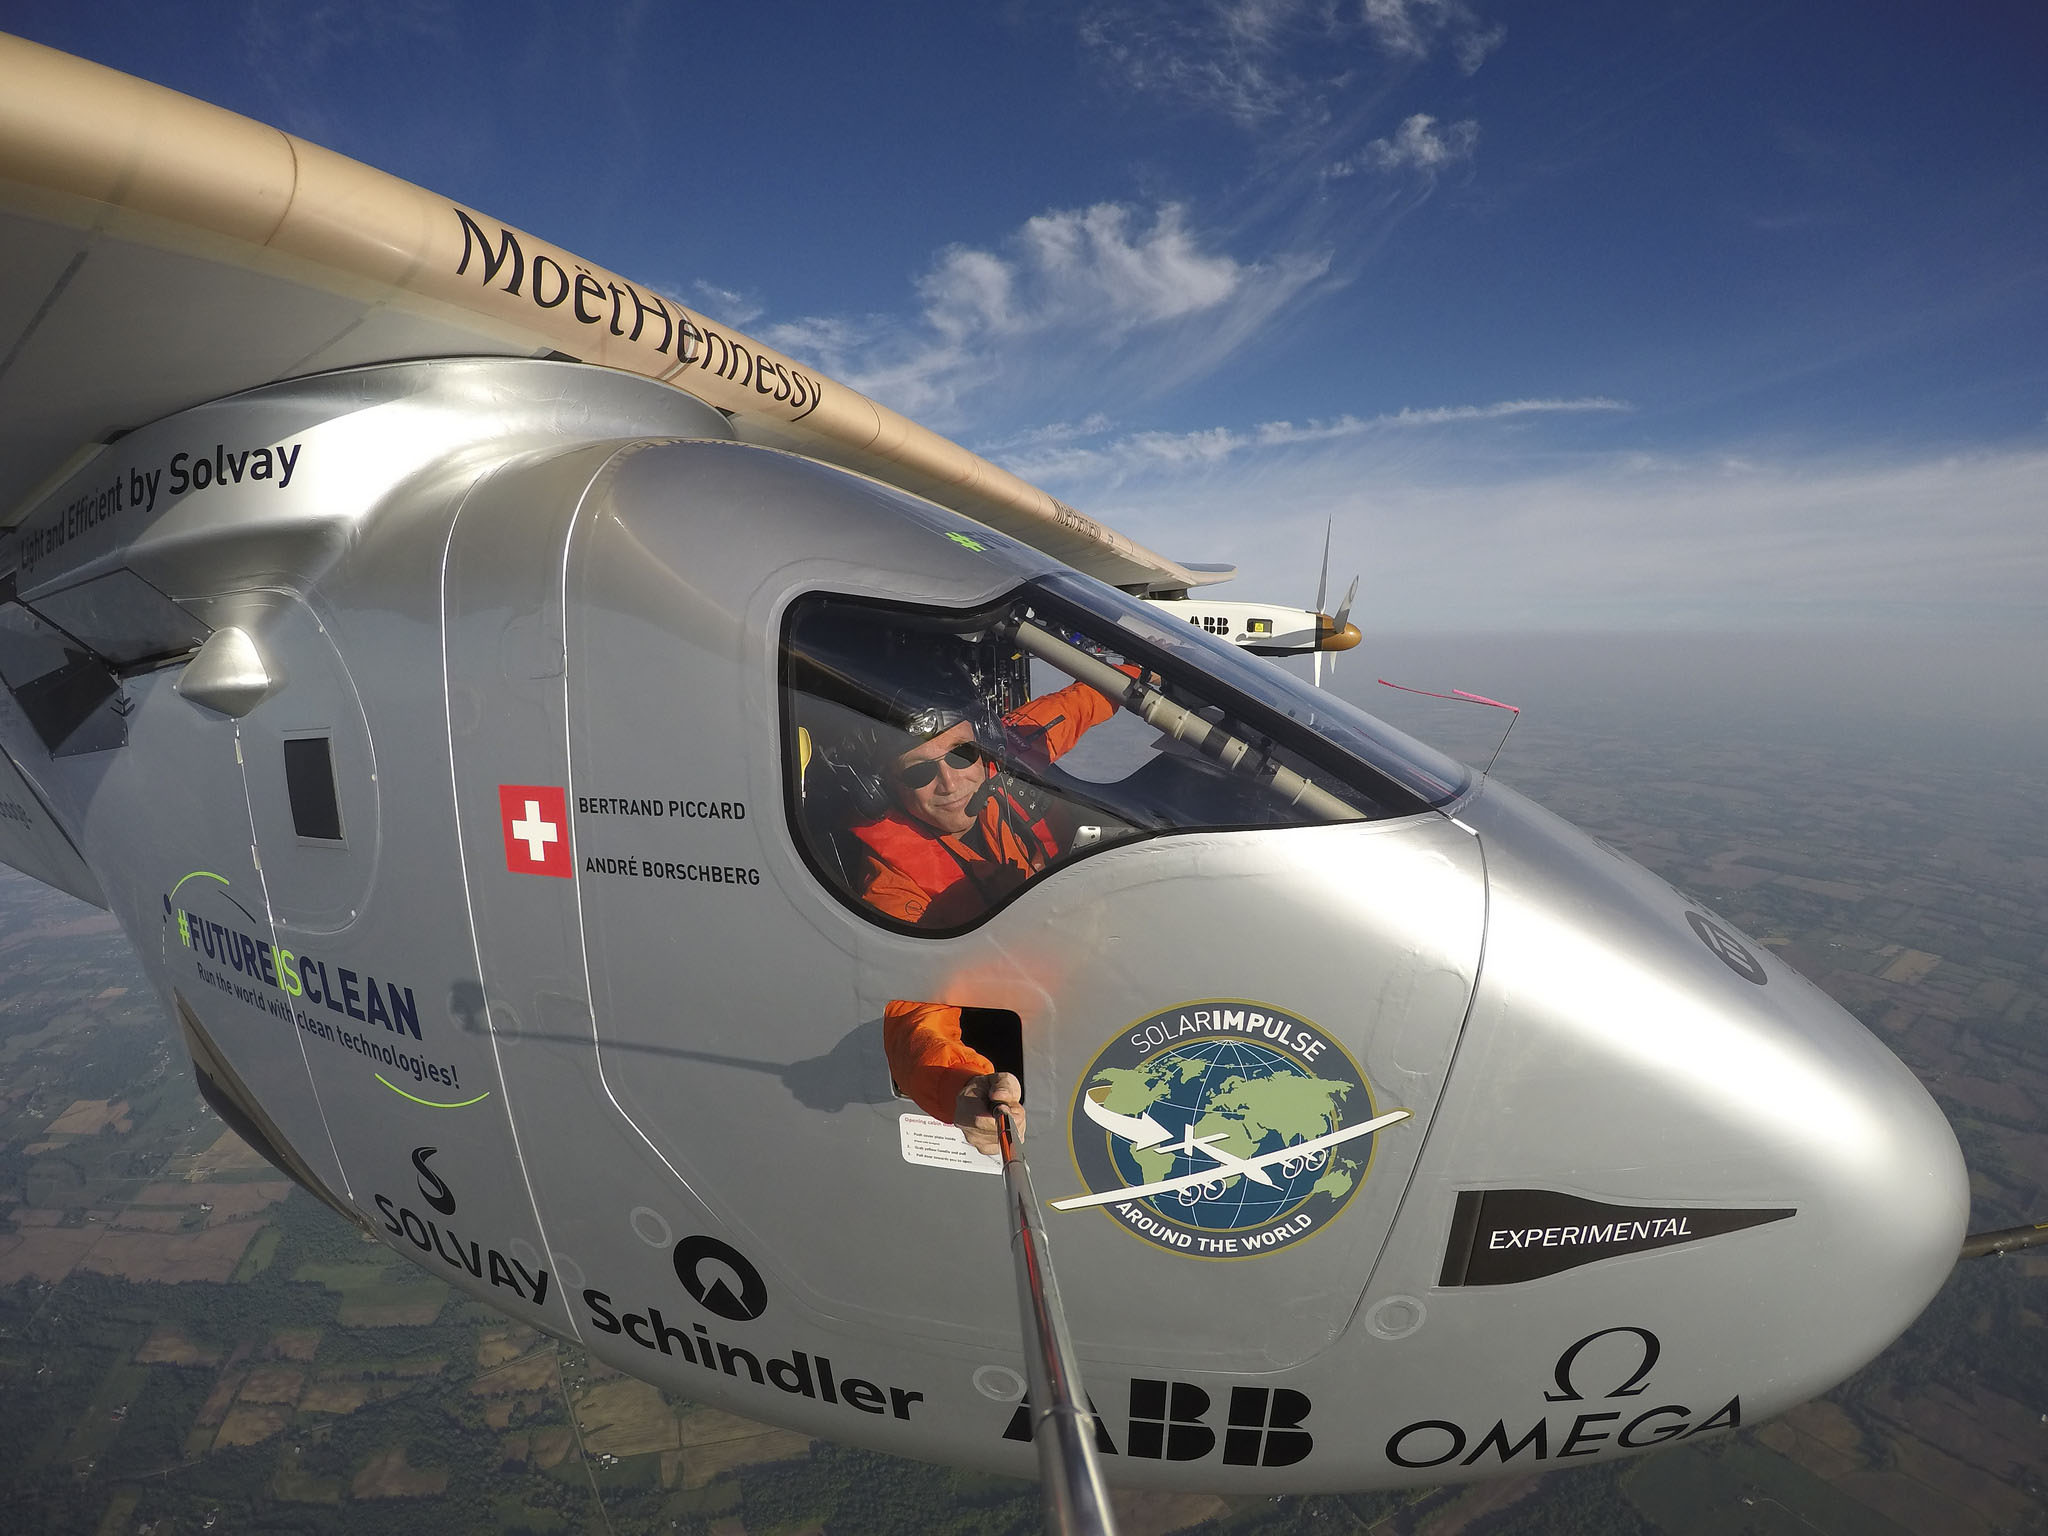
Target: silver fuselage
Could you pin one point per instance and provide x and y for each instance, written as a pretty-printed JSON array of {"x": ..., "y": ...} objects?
[{"x": 644, "y": 1104}]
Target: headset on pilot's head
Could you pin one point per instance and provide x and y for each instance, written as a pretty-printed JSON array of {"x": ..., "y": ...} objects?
[{"x": 914, "y": 714}]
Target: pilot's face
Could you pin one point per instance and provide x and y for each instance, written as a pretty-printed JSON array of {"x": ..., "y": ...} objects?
[{"x": 946, "y": 802}]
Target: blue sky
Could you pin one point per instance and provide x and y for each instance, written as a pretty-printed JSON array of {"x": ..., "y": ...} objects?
[{"x": 1606, "y": 314}]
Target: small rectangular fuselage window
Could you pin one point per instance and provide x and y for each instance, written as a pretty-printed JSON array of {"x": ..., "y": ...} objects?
[
  {"x": 309, "y": 780},
  {"x": 998, "y": 1034}
]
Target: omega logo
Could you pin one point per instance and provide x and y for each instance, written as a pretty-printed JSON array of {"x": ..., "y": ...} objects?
[
  {"x": 1439, "y": 1442},
  {"x": 1632, "y": 1387}
]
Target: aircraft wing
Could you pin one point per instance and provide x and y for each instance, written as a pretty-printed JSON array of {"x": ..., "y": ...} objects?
[{"x": 163, "y": 252}]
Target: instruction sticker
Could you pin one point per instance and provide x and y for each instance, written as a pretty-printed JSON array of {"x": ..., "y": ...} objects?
[{"x": 933, "y": 1144}]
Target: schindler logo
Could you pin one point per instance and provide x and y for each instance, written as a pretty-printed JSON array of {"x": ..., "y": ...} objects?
[{"x": 1505, "y": 1236}]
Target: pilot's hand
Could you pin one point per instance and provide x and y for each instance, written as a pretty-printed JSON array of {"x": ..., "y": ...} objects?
[{"x": 975, "y": 1114}]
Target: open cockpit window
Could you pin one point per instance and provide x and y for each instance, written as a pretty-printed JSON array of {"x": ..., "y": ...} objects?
[{"x": 941, "y": 761}]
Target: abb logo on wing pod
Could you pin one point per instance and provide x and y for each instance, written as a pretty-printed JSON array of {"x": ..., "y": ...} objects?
[{"x": 535, "y": 818}]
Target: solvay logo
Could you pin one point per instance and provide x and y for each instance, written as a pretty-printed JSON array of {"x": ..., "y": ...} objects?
[
  {"x": 1223, "y": 1129},
  {"x": 433, "y": 1189},
  {"x": 535, "y": 821}
]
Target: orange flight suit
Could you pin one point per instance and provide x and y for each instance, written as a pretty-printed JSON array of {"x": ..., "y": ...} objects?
[
  {"x": 923, "y": 876},
  {"x": 918, "y": 874},
  {"x": 922, "y": 1042}
]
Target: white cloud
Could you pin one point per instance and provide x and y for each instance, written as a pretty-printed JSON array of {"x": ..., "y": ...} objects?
[
  {"x": 1412, "y": 28},
  {"x": 1224, "y": 56},
  {"x": 1051, "y": 453},
  {"x": 1437, "y": 415},
  {"x": 1261, "y": 62},
  {"x": 727, "y": 304},
  {"x": 1093, "y": 298},
  {"x": 1090, "y": 267},
  {"x": 1474, "y": 530},
  {"x": 1403, "y": 26},
  {"x": 1419, "y": 146},
  {"x": 830, "y": 340},
  {"x": 1052, "y": 432},
  {"x": 1471, "y": 48}
]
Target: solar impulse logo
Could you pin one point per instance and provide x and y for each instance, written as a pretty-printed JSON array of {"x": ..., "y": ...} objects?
[{"x": 1223, "y": 1129}]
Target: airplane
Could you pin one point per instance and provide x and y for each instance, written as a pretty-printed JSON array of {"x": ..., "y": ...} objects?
[
  {"x": 1311, "y": 1154},
  {"x": 478, "y": 684},
  {"x": 1270, "y": 629}
]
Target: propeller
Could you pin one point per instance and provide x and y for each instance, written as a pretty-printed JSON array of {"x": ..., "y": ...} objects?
[
  {"x": 1322, "y": 590},
  {"x": 1343, "y": 613},
  {"x": 1341, "y": 618}
]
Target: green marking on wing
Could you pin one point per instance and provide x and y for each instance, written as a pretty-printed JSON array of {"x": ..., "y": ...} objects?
[
  {"x": 430, "y": 1103},
  {"x": 198, "y": 874}
]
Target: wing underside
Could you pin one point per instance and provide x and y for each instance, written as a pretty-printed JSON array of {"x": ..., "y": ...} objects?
[{"x": 163, "y": 252}]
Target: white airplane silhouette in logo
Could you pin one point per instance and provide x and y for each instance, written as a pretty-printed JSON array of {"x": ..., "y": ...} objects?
[{"x": 1144, "y": 1131}]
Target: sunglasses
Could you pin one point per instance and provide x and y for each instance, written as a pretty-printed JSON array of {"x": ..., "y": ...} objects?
[{"x": 919, "y": 774}]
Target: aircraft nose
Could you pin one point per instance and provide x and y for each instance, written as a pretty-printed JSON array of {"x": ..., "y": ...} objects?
[
  {"x": 1659, "y": 1058},
  {"x": 1885, "y": 1191}
]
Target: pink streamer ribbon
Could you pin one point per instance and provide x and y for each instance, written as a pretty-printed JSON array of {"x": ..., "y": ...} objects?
[{"x": 1454, "y": 695}]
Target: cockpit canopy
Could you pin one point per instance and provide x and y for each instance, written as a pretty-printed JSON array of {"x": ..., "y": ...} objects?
[{"x": 941, "y": 761}]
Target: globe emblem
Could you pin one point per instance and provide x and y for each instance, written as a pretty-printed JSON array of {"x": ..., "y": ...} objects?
[{"x": 1209, "y": 1098}]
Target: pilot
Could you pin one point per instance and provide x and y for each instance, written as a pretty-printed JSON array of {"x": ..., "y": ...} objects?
[
  {"x": 959, "y": 837},
  {"x": 957, "y": 841}
]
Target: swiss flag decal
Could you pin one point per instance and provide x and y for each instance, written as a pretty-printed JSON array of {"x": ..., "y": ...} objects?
[{"x": 536, "y": 822}]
